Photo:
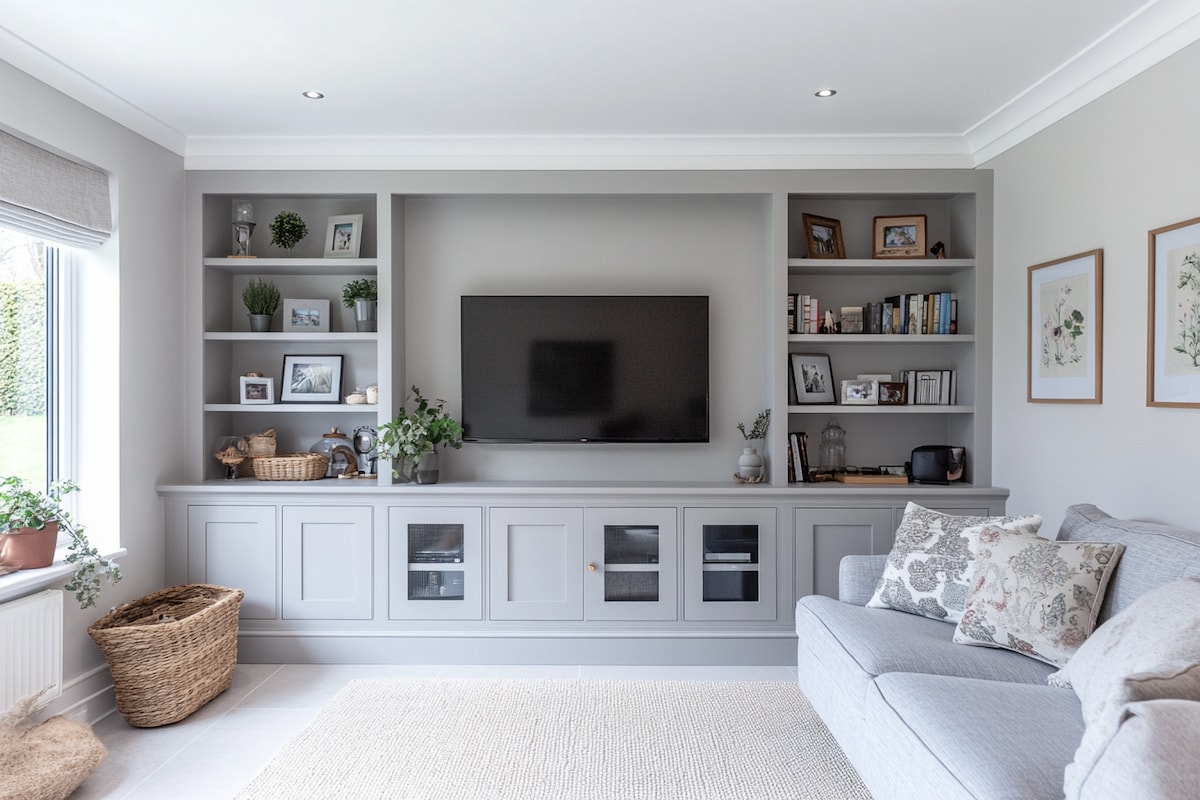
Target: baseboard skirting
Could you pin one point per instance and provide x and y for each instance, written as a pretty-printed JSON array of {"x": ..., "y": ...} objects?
[{"x": 88, "y": 697}]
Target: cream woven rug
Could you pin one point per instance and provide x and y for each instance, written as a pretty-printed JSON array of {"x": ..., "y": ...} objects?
[{"x": 562, "y": 740}]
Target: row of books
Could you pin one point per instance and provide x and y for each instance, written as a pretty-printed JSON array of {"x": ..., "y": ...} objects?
[
  {"x": 931, "y": 313},
  {"x": 931, "y": 387},
  {"x": 797, "y": 457}
]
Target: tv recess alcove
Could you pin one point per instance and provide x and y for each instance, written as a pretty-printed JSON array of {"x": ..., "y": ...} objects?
[{"x": 565, "y": 552}]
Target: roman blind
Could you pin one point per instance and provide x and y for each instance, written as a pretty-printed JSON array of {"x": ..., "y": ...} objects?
[{"x": 51, "y": 197}]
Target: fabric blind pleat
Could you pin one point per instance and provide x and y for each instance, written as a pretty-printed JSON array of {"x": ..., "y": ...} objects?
[{"x": 51, "y": 197}]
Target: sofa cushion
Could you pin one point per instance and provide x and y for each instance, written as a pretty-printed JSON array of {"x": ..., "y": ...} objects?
[
  {"x": 1150, "y": 650},
  {"x": 930, "y": 564},
  {"x": 945, "y": 737},
  {"x": 1155, "y": 554},
  {"x": 1034, "y": 596},
  {"x": 855, "y": 644},
  {"x": 1151, "y": 755}
]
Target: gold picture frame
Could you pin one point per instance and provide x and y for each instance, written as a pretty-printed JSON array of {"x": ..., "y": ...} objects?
[
  {"x": 900, "y": 237},
  {"x": 823, "y": 237}
]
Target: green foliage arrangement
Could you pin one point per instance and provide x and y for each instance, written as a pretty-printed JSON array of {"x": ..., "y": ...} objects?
[
  {"x": 759, "y": 429},
  {"x": 260, "y": 297},
  {"x": 360, "y": 289},
  {"x": 413, "y": 434},
  {"x": 287, "y": 229},
  {"x": 24, "y": 507}
]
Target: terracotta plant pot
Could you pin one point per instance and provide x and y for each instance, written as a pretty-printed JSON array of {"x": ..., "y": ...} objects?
[{"x": 29, "y": 548}]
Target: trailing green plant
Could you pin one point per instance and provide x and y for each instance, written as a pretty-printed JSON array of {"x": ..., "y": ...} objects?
[
  {"x": 759, "y": 429},
  {"x": 260, "y": 297},
  {"x": 415, "y": 433},
  {"x": 25, "y": 507},
  {"x": 287, "y": 229},
  {"x": 359, "y": 289}
]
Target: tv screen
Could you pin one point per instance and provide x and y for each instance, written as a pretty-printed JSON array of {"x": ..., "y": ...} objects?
[{"x": 584, "y": 368}]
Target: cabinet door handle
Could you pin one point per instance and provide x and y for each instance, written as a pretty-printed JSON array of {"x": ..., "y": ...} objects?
[{"x": 591, "y": 567}]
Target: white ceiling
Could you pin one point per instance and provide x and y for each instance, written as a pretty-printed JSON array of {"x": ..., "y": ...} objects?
[{"x": 591, "y": 83}]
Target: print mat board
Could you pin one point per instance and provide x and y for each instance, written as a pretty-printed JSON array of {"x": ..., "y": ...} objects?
[
  {"x": 563, "y": 739},
  {"x": 1173, "y": 366},
  {"x": 1066, "y": 301}
]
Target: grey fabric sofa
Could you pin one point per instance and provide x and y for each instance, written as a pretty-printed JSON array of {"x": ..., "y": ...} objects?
[{"x": 922, "y": 717}]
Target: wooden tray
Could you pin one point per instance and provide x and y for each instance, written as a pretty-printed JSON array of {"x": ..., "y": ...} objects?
[{"x": 845, "y": 477}]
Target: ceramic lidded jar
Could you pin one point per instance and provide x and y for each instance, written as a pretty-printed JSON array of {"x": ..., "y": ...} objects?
[{"x": 335, "y": 445}]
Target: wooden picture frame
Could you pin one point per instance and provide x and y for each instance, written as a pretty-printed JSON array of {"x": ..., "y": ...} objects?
[
  {"x": 900, "y": 237},
  {"x": 256, "y": 391},
  {"x": 1065, "y": 321},
  {"x": 1173, "y": 332},
  {"x": 823, "y": 237},
  {"x": 311, "y": 379},
  {"x": 893, "y": 393},
  {"x": 305, "y": 316},
  {"x": 343, "y": 236},
  {"x": 812, "y": 378}
]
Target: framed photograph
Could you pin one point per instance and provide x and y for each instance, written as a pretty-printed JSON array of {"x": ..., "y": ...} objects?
[
  {"x": 311, "y": 379},
  {"x": 823, "y": 237},
  {"x": 1066, "y": 300},
  {"x": 256, "y": 391},
  {"x": 860, "y": 393},
  {"x": 306, "y": 316},
  {"x": 900, "y": 237},
  {"x": 893, "y": 393},
  {"x": 1173, "y": 366},
  {"x": 343, "y": 236},
  {"x": 812, "y": 378}
]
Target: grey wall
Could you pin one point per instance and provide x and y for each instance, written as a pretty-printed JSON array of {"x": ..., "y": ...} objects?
[
  {"x": 1101, "y": 178},
  {"x": 130, "y": 348}
]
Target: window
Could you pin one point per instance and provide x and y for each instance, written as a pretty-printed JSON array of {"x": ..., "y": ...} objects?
[{"x": 32, "y": 396}]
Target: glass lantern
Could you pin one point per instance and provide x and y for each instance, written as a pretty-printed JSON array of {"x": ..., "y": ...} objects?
[{"x": 833, "y": 447}]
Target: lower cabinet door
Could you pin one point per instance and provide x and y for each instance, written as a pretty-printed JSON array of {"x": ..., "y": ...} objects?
[
  {"x": 729, "y": 563},
  {"x": 327, "y": 562},
  {"x": 825, "y": 535},
  {"x": 632, "y": 563},
  {"x": 235, "y": 546},
  {"x": 434, "y": 563},
  {"x": 535, "y": 558}
]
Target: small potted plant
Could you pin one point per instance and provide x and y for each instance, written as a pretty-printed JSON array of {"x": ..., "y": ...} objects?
[
  {"x": 362, "y": 294},
  {"x": 410, "y": 441},
  {"x": 750, "y": 463},
  {"x": 30, "y": 522},
  {"x": 287, "y": 229},
  {"x": 261, "y": 299}
]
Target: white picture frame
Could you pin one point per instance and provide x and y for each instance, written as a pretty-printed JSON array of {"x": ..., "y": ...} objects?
[
  {"x": 256, "y": 391},
  {"x": 305, "y": 316},
  {"x": 311, "y": 379},
  {"x": 860, "y": 393},
  {"x": 343, "y": 236}
]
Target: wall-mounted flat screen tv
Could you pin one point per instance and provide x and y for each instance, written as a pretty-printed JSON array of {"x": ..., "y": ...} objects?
[{"x": 585, "y": 368}]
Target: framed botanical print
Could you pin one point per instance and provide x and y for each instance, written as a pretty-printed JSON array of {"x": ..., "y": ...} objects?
[
  {"x": 1065, "y": 329},
  {"x": 1173, "y": 362}
]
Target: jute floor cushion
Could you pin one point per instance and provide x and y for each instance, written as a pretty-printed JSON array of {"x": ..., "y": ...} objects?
[{"x": 46, "y": 761}]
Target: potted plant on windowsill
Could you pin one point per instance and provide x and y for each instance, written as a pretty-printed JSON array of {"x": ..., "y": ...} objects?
[
  {"x": 261, "y": 299},
  {"x": 410, "y": 441},
  {"x": 362, "y": 295},
  {"x": 30, "y": 522}
]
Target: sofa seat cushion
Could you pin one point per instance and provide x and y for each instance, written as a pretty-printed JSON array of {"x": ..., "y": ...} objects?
[
  {"x": 949, "y": 737},
  {"x": 855, "y": 644},
  {"x": 1151, "y": 756}
]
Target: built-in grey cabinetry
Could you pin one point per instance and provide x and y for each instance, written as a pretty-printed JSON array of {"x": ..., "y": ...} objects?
[
  {"x": 328, "y": 562},
  {"x": 825, "y": 535},
  {"x": 435, "y": 557},
  {"x": 535, "y": 563},
  {"x": 236, "y": 545},
  {"x": 729, "y": 563},
  {"x": 632, "y": 563}
]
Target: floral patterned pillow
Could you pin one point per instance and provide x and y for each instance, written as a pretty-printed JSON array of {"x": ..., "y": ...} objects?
[
  {"x": 1036, "y": 596},
  {"x": 932, "y": 561}
]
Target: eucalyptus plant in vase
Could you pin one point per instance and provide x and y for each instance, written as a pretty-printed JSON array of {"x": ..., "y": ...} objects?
[
  {"x": 410, "y": 441},
  {"x": 750, "y": 463}
]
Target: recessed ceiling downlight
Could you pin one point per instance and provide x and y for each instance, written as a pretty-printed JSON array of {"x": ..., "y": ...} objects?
[
  {"x": 314, "y": 95},
  {"x": 826, "y": 92}
]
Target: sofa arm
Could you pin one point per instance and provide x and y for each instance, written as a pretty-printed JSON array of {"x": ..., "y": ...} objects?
[{"x": 858, "y": 576}]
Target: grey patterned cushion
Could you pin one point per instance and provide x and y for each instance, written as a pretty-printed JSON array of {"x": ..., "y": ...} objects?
[
  {"x": 1035, "y": 596},
  {"x": 932, "y": 561}
]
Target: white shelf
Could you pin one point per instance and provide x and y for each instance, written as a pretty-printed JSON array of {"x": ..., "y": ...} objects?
[
  {"x": 293, "y": 266},
  {"x": 816, "y": 408},
  {"x": 878, "y": 266},
  {"x": 293, "y": 408},
  {"x": 881, "y": 338},
  {"x": 245, "y": 336}
]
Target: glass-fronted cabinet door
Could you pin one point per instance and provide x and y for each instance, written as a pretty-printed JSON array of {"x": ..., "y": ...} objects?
[
  {"x": 434, "y": 557},
  {"x": 729, "y": 563},
  {"x": 632, "y": 563}
]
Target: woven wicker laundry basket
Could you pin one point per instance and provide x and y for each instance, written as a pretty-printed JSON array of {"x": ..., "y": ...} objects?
[{"x": 171, "y": 651}]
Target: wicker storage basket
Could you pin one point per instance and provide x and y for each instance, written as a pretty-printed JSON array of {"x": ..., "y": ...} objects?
[
  {"x": 171, "y": 651},
  {"x": 258, "y": 445},
  {"x": 291, "y": 467}
]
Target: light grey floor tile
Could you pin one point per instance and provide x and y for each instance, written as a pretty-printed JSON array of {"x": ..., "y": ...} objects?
[{"x": 314, "y": 685}]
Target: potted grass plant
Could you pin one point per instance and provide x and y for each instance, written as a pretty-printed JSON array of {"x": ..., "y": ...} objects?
[
  {"x": 30, "y": 521},
  {"x": 261, "y": 299}
]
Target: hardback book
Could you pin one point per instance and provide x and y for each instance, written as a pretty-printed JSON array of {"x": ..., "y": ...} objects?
[{"x": 852, "y": 319}]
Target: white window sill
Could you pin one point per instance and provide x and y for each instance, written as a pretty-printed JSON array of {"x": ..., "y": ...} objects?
[{"x": 27, "y": 581}]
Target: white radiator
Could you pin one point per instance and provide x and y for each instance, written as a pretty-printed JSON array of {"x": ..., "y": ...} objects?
[{"x": 31, "y": 641}]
